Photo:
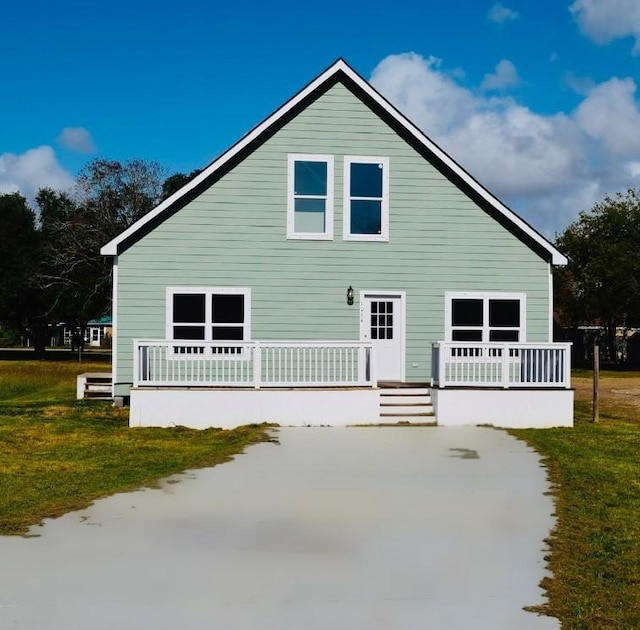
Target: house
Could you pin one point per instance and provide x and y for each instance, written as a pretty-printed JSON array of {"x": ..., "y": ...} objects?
[
  {"x": 335, "y": 266},
  {"x": 98, "y": 330}
]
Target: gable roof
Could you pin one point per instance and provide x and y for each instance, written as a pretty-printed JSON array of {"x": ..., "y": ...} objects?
[{"x": 338, "y": 72}]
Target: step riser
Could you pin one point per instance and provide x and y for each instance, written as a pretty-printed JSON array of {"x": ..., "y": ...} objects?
[
  {"x": 406, "y": 411},
  {"x": 405, "y": 400},
  {"x": 410, "y": 405},
  {"x": 405, "y": 391}
]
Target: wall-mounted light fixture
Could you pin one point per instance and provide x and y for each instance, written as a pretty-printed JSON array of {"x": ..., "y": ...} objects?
[{"x": 350, "y": 296}]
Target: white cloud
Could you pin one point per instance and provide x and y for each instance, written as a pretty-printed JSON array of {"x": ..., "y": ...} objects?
[
  {"x": 605, "y": 20},
  {"x": 504, "y": 76},
  {"x": 610, "y": 115},
  {"x": 34, "y": 169},
  {"x": 546, "y": 167},
  {"x": 77, "y": 139},
  {"x": 501, "y": 14}
]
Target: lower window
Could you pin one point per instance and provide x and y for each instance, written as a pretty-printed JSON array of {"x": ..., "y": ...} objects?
[
  {"x": 485, "y": 317},
  {"x": 208, "y": 314}
]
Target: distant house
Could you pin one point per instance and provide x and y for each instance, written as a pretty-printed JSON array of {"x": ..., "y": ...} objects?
[
  {"x": 98, "y": 330},
  {"x": 335, "y": 266}
]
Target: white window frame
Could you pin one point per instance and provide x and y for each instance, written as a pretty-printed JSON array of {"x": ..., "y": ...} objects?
[
  {"x": 485, "y": 296},
  {"x": 208, "y": 323},
  {"x": 346, "y": 206},
  {"x": 327, "y": 235}
]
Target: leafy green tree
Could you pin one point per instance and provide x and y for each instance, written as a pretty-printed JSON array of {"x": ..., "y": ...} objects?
[
  {"x": 18, "y": 256},
  {"x": 176, "y": 181},
  {"x": 601, "y": 283},
  {"x": 21, "y": 301}
]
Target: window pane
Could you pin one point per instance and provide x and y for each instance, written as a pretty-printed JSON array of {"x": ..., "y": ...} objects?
[
  {"x": 366, "y": 180},
  {"x": 188, "y": 332},
  {"x": 231, "y": 333},
  {"x": 227, "y": 309},
  {"x": 310, "y": 178},
  {"x": 466, "y": 313},
  {"x": 310, "y": 216},
  {"x": 188, "y": 308},
  {"x": 466, "y": 335},
  {"x": 504, "y": 313},
  {"x": 503, "y": 335},
  {"x": 366, "y": 217}
]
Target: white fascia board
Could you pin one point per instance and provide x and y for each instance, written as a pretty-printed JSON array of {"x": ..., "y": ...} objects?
[
  {"x": 557, "y": 257},
  {"x": 111, "y": 248}
]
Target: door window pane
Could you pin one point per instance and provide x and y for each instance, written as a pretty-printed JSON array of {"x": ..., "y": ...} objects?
[{"x": 382, "y": 320}]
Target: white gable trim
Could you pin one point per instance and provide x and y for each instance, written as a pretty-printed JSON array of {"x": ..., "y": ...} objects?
[{"x": 111, "y": 248}]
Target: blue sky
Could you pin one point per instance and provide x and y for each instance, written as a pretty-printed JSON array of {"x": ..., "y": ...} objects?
[{"x": 537, "y": 100}]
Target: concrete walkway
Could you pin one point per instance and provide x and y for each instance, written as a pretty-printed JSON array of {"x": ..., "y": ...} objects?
[{"x": 358, "y": 528}]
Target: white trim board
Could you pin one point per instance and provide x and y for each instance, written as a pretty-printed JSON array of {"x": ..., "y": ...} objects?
[
  {"x": 333, "y": 73},
  {"x": 364, "y": 325}
]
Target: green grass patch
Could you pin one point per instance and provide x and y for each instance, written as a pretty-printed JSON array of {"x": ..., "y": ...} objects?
[
  {"x": 595, "y": 473},
  {"x": 58, "y": 454}
]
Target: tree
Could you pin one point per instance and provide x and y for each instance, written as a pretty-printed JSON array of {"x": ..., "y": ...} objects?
[
  {"x": 176, "y": 182},
  {"x": 109, "y": 196},
  {"x": 18, "y": 256},
  {"x": 601, "y": 283}
]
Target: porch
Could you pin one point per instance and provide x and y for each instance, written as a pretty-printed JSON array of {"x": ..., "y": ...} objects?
[{"x": 201, "y": 384}]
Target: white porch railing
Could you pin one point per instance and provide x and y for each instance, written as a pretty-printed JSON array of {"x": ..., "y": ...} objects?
[
  {"x": 461, "y": 364},
  {"x": 253, "y": 364}
]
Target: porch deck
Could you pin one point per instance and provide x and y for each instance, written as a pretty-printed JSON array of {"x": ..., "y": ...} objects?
[{"x": 334, "y": 383}]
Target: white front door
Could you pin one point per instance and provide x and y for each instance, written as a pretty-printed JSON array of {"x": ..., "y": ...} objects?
[{"x": 382, "y": 322}]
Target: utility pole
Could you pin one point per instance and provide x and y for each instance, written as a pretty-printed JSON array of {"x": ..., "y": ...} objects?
[{"x": 596, "y": 381}]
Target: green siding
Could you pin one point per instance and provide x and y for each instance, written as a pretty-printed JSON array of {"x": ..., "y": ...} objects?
[{"x": 234, "y": 234}]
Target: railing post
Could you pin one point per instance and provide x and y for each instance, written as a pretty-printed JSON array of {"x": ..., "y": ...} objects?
[
  {"x": 257, "y": 364},
  {"x": 136, "y": 363},
  {"x": 567, "y": 366},
  {"x": 505, "y": 367},
  {"x": 373, "y": 366},
  {"x": 442, "y": 364}
]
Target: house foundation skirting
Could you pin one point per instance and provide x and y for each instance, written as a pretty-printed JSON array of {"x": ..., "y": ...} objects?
[
  {"x": 508, "y": 408},
  {"x": 229, "y": 408}
]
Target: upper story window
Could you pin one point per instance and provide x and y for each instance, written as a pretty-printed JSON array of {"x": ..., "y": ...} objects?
[
  {"x": 485, "y": 317},
  {"x": 208, "y": 314},
  {"x": 366, "y": 198},
  {"x": 310, "y": 197}
]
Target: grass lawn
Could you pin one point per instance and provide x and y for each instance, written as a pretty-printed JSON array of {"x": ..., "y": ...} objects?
[
  {"x": 58, "y": 454},
  {"x": 595, "y": 472}
]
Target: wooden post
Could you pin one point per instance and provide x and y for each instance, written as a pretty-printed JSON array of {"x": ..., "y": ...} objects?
[{"x": 596, "y": 381}]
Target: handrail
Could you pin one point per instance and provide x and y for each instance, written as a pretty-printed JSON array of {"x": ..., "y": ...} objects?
[
  {"x": 253, "y": 363},
  {"x": 506, "y": 365}
]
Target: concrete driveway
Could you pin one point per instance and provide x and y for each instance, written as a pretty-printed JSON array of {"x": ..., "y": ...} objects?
[{"x": 403, "y": 528}]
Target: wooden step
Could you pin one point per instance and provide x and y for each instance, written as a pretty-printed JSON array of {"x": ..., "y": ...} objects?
[
  {"x": 406, "y": 405},
  {"x": 95, "y": 386}
]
